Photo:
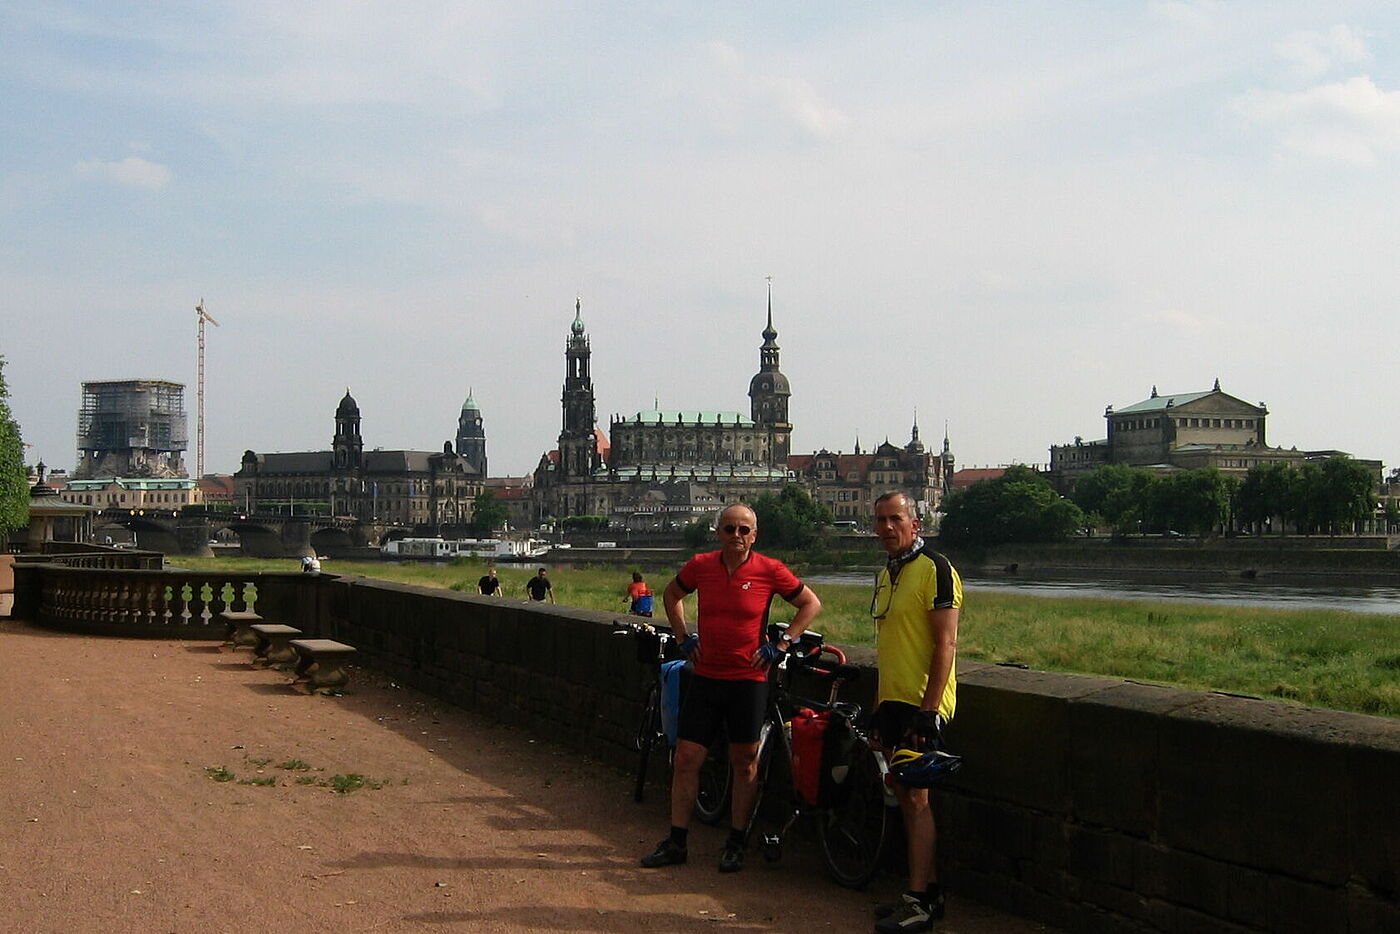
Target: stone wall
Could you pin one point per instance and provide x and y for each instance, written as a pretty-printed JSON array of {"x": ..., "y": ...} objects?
[{"x": 1095, "y": 804}]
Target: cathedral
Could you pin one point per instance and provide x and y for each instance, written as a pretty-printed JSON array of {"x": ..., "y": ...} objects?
[{"x": 662, "y": 468}]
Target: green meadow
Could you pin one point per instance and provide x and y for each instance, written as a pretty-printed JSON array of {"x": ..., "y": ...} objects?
[{"x": 1320, "y": 658}]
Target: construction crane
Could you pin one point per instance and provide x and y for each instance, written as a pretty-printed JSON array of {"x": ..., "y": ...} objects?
[{"x": 199, "y": 421}]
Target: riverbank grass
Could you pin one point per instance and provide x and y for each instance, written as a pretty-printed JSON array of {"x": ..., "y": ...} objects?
[{"x": 1319, "y": 658}]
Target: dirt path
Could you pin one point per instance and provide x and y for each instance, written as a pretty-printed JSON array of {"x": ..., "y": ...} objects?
[{"x": 112, "y": 822}]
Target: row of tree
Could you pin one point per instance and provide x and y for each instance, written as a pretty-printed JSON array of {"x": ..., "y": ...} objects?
[
  {"x": 1327, "y": 497},
  {"x": 788, "y": 519}
]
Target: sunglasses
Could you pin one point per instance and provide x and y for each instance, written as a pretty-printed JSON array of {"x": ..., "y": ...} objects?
[{"x": 741, "y": 529}]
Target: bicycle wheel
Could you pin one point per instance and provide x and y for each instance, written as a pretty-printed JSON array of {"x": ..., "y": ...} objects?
[
  {"x": 712, "y": 802},
  {"x": 649, "y": 733},
  {"x": 854, "y": 830}
]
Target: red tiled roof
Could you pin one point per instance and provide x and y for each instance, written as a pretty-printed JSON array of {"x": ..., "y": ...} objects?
[
  {"x": 859, "y": 463},
  {"x": 216, "y": 486},
  {"x": 962, "y": 479}
]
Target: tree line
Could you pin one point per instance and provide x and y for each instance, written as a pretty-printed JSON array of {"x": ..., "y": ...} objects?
[{"x": 1317, "y": 497}]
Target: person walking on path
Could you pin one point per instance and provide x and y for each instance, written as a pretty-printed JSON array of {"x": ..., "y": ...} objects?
[
  {"x": 539, "y": 587},
  {"x": 489, "y": 585},
  {"x": 732, "y": 655},
  {"x": 639, "y": 596},
  {"x": 916, "y": 602}
]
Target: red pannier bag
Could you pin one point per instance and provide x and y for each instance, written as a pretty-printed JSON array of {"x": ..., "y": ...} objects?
[{"x": 808, "y": 732}]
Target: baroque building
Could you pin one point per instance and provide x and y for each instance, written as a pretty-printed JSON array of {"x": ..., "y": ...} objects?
[
  {"x": 848, "y": 484},
  {"x": 663, "y": 467},
  {"x": 421, "y": 490},
  {"x": 1182, "y": 431}
]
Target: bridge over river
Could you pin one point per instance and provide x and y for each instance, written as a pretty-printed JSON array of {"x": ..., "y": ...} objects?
[{"x": 191, "y": 531}]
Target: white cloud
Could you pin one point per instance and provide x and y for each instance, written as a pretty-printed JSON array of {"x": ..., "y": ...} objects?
[
  {"x": 1313, "y": 54},
  {"x": 1182, "y": 321},
  {"x": 131, "y": 172},
  {"x": 737, "y": 97},
  {"x": 1351, "y": 121},
  {"x": 1195, "y": 14}
]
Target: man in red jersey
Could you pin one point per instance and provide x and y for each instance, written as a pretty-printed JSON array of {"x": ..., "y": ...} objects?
[{"x": 732, "y": 655}]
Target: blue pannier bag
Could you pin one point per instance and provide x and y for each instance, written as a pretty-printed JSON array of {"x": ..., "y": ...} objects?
[{"x": 671, "y": 673}]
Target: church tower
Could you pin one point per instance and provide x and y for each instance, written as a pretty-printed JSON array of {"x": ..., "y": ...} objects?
[
  {"x": 578, "y": 447},
  {"x": 949, "y": 465},
  {"x": 769, "y": 392},
  {"x": 471, "y": 436},
  {"x": 348, "y": 446}
]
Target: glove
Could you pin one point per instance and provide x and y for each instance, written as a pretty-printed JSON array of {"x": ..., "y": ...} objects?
[
  {"x": 689, "y": 645},
  {"x": 927, "y": 730},
  {"x": 769, "y": 652}
]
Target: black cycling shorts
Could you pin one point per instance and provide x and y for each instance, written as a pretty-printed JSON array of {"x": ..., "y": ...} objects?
[
  {"x": 710, "y": 705},
  {"x": 893, "y": 722}
]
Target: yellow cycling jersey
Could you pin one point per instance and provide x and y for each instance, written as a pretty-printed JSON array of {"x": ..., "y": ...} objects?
[{"x": 905, "y": 639}]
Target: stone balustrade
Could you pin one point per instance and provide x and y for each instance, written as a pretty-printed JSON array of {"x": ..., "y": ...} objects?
[{"x": 172, "y": 603}]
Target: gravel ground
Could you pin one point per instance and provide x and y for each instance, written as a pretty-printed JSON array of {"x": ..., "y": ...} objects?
[{"x": 113, "y": 819}]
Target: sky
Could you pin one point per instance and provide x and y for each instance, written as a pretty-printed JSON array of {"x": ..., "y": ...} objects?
[{"x": 1003, "y": 217}]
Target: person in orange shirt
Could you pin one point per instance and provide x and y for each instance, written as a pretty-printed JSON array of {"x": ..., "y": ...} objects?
[{"x": 639, "y": 595}]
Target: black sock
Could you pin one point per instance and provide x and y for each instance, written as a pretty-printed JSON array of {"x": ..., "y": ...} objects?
[
  {"x": 679, "y": 835},
  {"x": 736, "y": 838},
  {"x": 933, "y": 893}
]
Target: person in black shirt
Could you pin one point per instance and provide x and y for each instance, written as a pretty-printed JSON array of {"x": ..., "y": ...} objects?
[
  {"x": 489, "y": 584},
  {"x": 539, "y": 587}
]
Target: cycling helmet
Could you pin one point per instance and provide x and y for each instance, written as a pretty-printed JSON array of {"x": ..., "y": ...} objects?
[{"x": 922, "y": 769}]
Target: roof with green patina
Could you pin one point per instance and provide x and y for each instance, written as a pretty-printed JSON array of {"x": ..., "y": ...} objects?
[
  {"x": 1158, "y": 403},
  {"x": 134, "y": 483}
]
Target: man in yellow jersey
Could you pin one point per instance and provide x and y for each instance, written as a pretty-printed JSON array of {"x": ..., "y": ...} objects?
[{"x": 915, "y": 606}]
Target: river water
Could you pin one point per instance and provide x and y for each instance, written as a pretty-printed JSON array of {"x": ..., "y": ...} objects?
[{"x": 1238, "y": 592}]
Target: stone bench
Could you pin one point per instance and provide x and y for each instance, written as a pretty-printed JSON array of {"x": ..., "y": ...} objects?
[
  {"x": 238, "y": 629},
  {"x": 274, "y": 646},
  {"x": 321, "y": 669}
]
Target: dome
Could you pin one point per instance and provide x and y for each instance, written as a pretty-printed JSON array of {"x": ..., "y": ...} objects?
[
  {"x": 347, "y": 407},
  {"x": 772, "y": 382},
  {"x": 577, "y": 326},
  {"x": 470, "y": 405}
]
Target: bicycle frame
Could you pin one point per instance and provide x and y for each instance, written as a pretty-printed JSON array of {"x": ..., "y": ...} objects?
[{"x": 649, "y": 728}]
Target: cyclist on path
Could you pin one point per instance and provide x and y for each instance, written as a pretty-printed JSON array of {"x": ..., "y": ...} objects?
[
  {"x": 638, "y": 596},
  {"x": 915, "y": 606},
  {"x": 732, "y": 655}
]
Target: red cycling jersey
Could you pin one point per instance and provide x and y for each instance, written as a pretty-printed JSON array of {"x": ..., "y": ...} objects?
[{"x": 733, "y": 610}]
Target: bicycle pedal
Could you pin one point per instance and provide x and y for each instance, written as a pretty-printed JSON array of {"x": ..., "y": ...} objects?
[{"x": 772, "y": 839}]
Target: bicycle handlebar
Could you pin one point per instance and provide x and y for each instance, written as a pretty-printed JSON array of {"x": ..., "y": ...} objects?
[{"x": 629, "y": 628}]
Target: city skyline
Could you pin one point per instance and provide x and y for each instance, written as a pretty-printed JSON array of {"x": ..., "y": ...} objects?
[{"x": 1005, "y": 219}]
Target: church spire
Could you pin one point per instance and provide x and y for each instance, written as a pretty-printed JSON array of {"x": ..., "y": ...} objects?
[
  {"x": 769, "y": 392},
  {"x": 915, "y": 446},
  {"x": 770, "y": 334}
]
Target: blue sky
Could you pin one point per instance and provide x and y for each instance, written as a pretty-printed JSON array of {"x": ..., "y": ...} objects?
[{"x": 1005, "y": 216}]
